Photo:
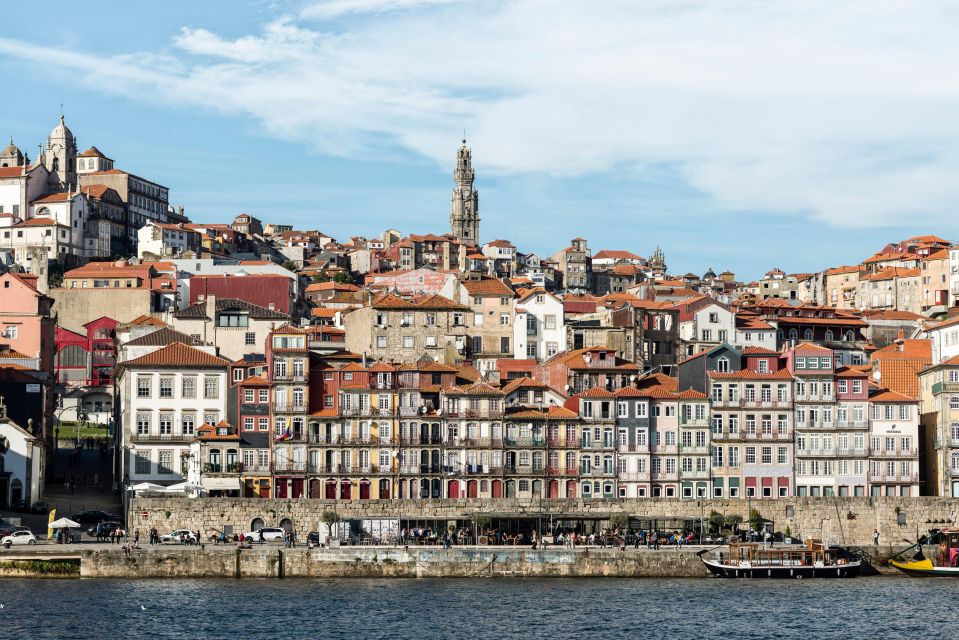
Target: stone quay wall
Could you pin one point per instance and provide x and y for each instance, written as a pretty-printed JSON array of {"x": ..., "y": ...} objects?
[
  {"x": 388, "y": 562},
  {"x": 848, "y": 521}
]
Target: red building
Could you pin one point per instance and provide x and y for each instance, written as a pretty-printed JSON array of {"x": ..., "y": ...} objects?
[{"x": 83, "y": 366}]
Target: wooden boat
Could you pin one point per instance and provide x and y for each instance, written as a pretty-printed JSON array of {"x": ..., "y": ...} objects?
[
  {"x": 756, "y": 560},
  {"x": 947, "y": 559}
]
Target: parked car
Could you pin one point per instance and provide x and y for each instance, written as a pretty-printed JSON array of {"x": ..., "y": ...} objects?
[
  {"x": 20, "y": 506},
  {"x": 92, "y": 517},
  {"x": 313, "y": 536},
  {"x": 269, "y": 533},
  {"x": 178, "y": 537},
  {"x": 10, "y": 530},
  {"x": 104, "y": 528},
  {"x": 19, "y": 537},
  {"x": 40, "y": 506}
]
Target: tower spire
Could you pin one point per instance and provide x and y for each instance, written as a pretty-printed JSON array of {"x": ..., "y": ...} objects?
[{"x": 464, "y": 202}]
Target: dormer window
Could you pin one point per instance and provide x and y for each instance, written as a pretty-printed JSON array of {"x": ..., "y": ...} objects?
[{"x": 722, "y": 365}]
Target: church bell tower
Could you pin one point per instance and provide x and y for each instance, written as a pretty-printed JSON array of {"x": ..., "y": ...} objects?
[{"x": 464, "y": 203}]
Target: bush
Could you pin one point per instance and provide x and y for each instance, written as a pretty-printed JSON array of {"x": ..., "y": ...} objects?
[{"x": 618, "y": 520}]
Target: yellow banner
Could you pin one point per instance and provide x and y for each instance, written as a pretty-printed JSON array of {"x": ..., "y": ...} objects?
[{"x": 51, "y": 518}]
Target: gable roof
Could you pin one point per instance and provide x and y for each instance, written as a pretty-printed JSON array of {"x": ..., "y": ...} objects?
[
  {"x": 197, "y": 310},
  {"x": 160, "y": 338},
  {"x": 178, "y": 355}
]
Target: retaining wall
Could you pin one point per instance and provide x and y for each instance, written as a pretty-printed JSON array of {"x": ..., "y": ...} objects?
[{"x": 848, "y": 521}]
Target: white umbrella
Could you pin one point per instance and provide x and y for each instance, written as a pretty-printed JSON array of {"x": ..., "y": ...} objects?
[
  {"x": 64, "y": 522},
  {"x": 182, "y": 487},
  {"x": 147, "y": 486}
]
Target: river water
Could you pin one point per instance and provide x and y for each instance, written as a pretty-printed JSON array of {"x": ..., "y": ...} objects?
[{"x": 497, "y": 609}]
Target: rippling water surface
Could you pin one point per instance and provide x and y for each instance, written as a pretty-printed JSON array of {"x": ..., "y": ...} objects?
[{"x": 479, "y": 609}]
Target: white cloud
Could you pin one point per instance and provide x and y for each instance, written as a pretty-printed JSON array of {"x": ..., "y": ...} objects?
[{"x": 840, "y": 111}]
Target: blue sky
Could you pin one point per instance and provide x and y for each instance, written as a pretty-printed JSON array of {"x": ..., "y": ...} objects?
[{"x": 739, "y": 134}]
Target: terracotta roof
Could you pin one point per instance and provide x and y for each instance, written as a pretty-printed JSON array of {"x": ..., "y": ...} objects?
[
  {"x": 888, "y": 273},
  {"x": 891, "y": 314},
  {"x": 886, "y": 395},
  {"x": 11, "y": 354},
  {"x": 806, "y": 347},
  {"x": 148, "y": 320},
  {"x": 11, "y": 172},
  {"x": 330, "y": 286},
  {"x": 596, "y": 392},
  {"x": 60, "y": 196},
  {"x": 322, "y": 312},
  {"x": 691, "y": 394},
  {"x": 255, "y": 381},
  {"x": 841, "y": 270},
  {"x": 488, "y": 287},
  {"x": 906, "y": 350},
  {"x": 92, "y": 152},
  {"x": 614, "y": 254},
  {"x": 39, "y": 222},
  {"x": 178, "y": 355},
  {"x": 658, "y": 380},
  {"x": 629, "y": 392},
  {"x": 748, "y": 374},
  {"x": 523, "y": 383},
  {"x": 433, "y": 301},
  {"x": 901, "y": 376},
  {"x": 850, "y": 372},
  {"x": 478, "y": 388},
  {"x": 759, "y": 351}
]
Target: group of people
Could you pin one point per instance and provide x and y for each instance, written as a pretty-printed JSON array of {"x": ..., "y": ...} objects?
[{"x": 427, "y": 535}]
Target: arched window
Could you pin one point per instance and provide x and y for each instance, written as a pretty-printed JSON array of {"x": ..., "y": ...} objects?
[
  {"x": 72, "y": 357},
  {"x": 793, "y": 334},
  {"x": 955, "y": 461},
  {"x": 828, "y": 335},
  {"x": 807, "y": 334},
  {"x": 954, "y": 431},
  {"x": 722, "y": 365},
  {"x": 847, "y": 337}
]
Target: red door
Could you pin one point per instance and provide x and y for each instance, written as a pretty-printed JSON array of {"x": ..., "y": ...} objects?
[
  {"x": 497, "y": 488},
  {"x": 570, "y": 488},
  {"x": 298, "y": 486},
  {"x": 364, "y": 490},
  {"x": 346, "y": 490},
  {"x": 384, "y": 490},
  {"x": 330, "y": 490},
  {"x": 554, "y": 488},
  {"x": 471, "y": 489},
  {"x": 453, "y": 489},
  {"x": 315, "y": 489},
  {"x": 281, "y": 487}
]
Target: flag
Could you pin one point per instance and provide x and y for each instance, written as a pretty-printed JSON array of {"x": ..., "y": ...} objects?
[{"x": 51, "y": 518}]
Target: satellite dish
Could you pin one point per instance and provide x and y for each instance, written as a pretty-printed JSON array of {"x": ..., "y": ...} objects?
[{"x": 876, "y": 375}]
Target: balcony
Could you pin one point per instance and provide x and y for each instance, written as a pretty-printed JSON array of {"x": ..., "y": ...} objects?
[
  {"x": 295, "y": 436},
  {"x": 419, "y": 440},
  {"x": 775, "y": 434},
  {"x": 634, "y": 476},
  {"x": 481, "y": 470},
  {"x": 695, "y": 475},
  {"x": 289, "y": 467},
  {"x": 663, "y": 448},
  {"x": 217, "y": 468},
  {"x": 342, "y": 469},
  {"x": 694, "y": 422},
  {"x": 596, "y": 472},
  {"x": 852, "y": 424},
  {"x": 492, "y": 414},
  {"x": 664, "y": 475},
  {"x": 255, "y": 468},
  {"x": 726, "y": 404},
  {"x": 693, "y": 449},
  {"x": 892, "y": 453},
  {"x": 596, "y": 445},
  {"x": 945, "y": 387},
  {"x": 289, "y": 377},
  {"x": 524, "y": 470},
  {"x": 524, "y": 442},
  {"x": 287, "y": 407},
  {"x": 880, "y": 478},
  {"x": 353, "y": 412},
  {"x": 557, "y": 471},
  {"x": 162, "y": 437},
  {"x": 634, "y": 448}
]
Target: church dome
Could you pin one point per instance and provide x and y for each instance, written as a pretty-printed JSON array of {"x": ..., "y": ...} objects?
[
  {"x": 61, "y": 131},
  {"x": 12, "y": 152}
]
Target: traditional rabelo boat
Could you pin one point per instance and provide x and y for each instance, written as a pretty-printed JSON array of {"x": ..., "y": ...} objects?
[
  {"x": 947, "y": 559},
  {"x": 758, "y": 560}
]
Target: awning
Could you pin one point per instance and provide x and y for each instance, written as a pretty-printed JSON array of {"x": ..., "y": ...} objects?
[{"x": 221, "y": 484}]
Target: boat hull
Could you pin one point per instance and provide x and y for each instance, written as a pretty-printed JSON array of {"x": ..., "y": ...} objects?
[
  {"x": 925, "y": 569},
  {"x": 848, "y": 570}
]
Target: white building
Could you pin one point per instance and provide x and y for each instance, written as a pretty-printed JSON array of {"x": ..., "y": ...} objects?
[
  {"x": 166, "y": 395},
  {"x": 162, "y": 239},
  {"x": 944, "y": 337},
  {"x": 752, "y": 331},
  {"x": 539, "y": 330},
  {"x": 40, "y": 235},
  {"x": 894, "y": 445},
  {"x": 704, "y": 323},
  {"x": 21, "y": 462},
  {"x": 235, "y": 327}
]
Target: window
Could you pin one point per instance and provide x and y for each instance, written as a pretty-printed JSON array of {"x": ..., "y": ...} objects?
[
  {"x": 143, "y": 424},
  {"x": 188, "y": 424},
  {"x": 407, "y": 342},
  {"x": 504, "y": 344},
  {"x": 430, "y": 341},
  {"x": 166, "y": 424},
  {"x": 550, "y": 321},
  {"x": 478, "y": 319},
  {"x": 141, "y": 464},
  {"x": 165, "y": 462},
  {"x": 210, "y": 387},
  {"x": 722, "y": 365},
  {"x": 249, "y": 338},
  {"x": 504, "y": 319},
  {"x": 166, "y": 387},
  {"x": 188, "y": 387},
  {"x": 248, "y": 396}
]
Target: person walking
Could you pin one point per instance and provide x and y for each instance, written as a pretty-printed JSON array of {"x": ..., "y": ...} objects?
[{"x": 875, "y": 536}]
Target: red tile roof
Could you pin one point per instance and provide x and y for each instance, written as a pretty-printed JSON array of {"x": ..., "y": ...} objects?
[
  {"x": 178, "y": 355},
  {"x": 487, "y": 287}
]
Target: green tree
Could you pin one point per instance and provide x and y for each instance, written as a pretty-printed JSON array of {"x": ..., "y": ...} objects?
[
  {"x": 716, "y": 521},
  {"x": 618, "y": 520},
  {"x": 343, "y": 277},
  {"x": 329, "y": 518},
  {"x": 289, "y": 265},
  {"x": 756, "y": 519}
]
